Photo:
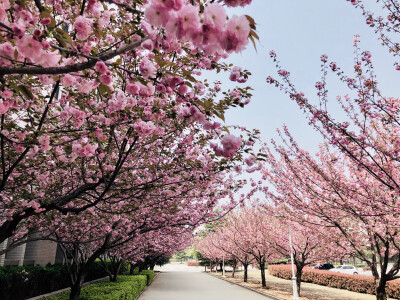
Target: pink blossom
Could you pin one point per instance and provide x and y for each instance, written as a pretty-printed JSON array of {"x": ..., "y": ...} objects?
[
  {"x": 236, "y": 35},
  {"x": 215, "y": 16},
  {"x": 174, "y": 4},
  {"x": 86, "y": 86},
  {"x": 148, "y": 45},
  {"x": 88, "y": 150},
  {"x": 45, "y": 45},
  {"x": 106, "y": 79},
  {"x": 160, "y": 88},
  {"x": 7, "y": 94},
  {"x": 68, "y": 80},
  {"x": 29, "y": 47},
  {"x": 83, "y": 27},
  {"x": 7, "y": 49},
  {"x": 4, "y": 106},
  {"x": 234, "y": 76},
  {"x": 185, "y": 24},
  {"x": 45, "y": 21},
  {"x": 5, "y": 4},
  {"x": 189, "y": 18},
  {"x": 250, "y": 160},
  {"x": 49, "y": 59},
  {"x": 144, "y": 128},
  {"x": 101, "y": 67},
  {"x": 147, "y": 90},
  {"x": 18, "y": 29},
  {"x": 157, "y": 15},
  {"x": 44, "y": 141},
  {"x": 235, "y": 3},
  {"x": 147, "y": 68},
  {"x": 132, "y": 88},
  {"x": 182, "y": 89},
  {"x": 230, "y": 145}
]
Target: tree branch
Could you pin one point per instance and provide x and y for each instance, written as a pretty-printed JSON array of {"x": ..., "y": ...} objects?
[{"x": 5, "y": 70}]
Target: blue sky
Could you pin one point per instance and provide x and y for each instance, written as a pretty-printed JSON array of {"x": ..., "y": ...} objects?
[{"x": 300, "y": 31}]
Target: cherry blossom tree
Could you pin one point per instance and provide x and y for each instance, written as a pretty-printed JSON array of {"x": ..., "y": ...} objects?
[
  {"x": 333, "y": 192},
  {"x": 362, "y": 176},
  {"x": 311, "y": 243},
  {"x": 249, "y": 233},
  {"x": 224, "y": 239},
  {"x": 91, "y": 88}
]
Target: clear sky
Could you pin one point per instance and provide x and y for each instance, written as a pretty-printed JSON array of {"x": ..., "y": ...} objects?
[{"x": 300, "y": 31}]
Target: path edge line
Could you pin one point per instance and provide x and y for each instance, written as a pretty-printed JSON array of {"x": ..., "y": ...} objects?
[
  {"x": 246, "y": 287},
  {"x": 154, "y": 278}
]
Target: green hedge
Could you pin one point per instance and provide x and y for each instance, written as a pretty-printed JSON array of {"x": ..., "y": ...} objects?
[
  {"x": 136, "y": 271},
  {"x": 127, "y": 287},
  {"x": 355, "y": 283},
  {"x": 149, "y": 274},
  {"x": 22, "y": 282}
]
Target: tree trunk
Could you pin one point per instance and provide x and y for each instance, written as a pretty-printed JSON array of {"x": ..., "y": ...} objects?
[
  {"x": 262, "y": 269},
  {"x": 152, "y": 266},
  {"x": 220, "y": 266},
  {"x": 131, "y": 269},
  {"x": 299, "y": 273},
  {"x": 245, "y": 266},
  {"x": 116, "y": 269},
  {"x": 381, "y": 289},
  {"x": 76, "y": 287},
  {"x": 234, "y": 268}
]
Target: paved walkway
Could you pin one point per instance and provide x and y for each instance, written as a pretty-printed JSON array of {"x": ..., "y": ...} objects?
[{"x": 195, "y": 286}]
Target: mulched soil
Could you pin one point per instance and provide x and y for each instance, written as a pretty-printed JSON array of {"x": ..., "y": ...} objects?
[{"x": 282, "y": 288}]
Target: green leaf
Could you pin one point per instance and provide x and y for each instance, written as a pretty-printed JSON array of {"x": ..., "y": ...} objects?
[
  {"x": 47, "y": 14},
  {"x": 62, "y": 37},
  {"x": 160, "y": 61},
  {"x": 25, "y": 91},
  {"x": 254, "y": 43},
  {"x": 104, "y": 90},
  {"x": 188, "y": 75},
  {"x": 254, "y": 34},
  {"x": 251, "y": 21}
]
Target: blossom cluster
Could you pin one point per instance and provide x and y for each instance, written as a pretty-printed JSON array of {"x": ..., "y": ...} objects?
[{"x": 213, "y": 33}]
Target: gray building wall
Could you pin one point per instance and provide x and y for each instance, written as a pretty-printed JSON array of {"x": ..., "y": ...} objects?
[
  {"x": 2, "y": 247},
  {"x": 15, "y": 257},
  {"x": 41, "y": 252}
]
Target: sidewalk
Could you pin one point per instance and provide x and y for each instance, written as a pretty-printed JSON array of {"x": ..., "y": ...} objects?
[{"x": 282, "y": 288}]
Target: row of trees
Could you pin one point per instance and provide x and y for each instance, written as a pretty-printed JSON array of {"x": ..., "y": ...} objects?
[
  {"x": 258, "y": 234},
  {"x": 346, "y": 195},
  {"x": 108, "y": 141},
  {"x": 351, "y": 185}
]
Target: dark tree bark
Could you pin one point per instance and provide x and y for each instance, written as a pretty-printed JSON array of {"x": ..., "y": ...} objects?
[
  {"x": 116, "y": 269},
  {"x": 262, "y": 270},
  {"x": 234, "y": 264},
  {"x": 299, "y": 273},
  {"x": 380, "y": 288},
  {"x": 245, "y": 266},
  {"x": 76, "y": 290},
  {"x": 131, "y": 269}
]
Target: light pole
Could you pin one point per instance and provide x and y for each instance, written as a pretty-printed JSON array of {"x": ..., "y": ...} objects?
[{"x": 295, "y": 295}]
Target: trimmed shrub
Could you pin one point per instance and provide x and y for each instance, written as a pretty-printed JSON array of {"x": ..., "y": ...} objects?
[
  {"x": 21, "y": 282},
  {"x": 127, "y": 287},
  {"x": 355, "y": 283},
  {"x": 192, "y": 263},
  {"x": 149, "y": 274}
]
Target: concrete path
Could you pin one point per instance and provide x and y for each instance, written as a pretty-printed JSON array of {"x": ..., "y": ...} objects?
[{"x": 196, "y": 286}]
